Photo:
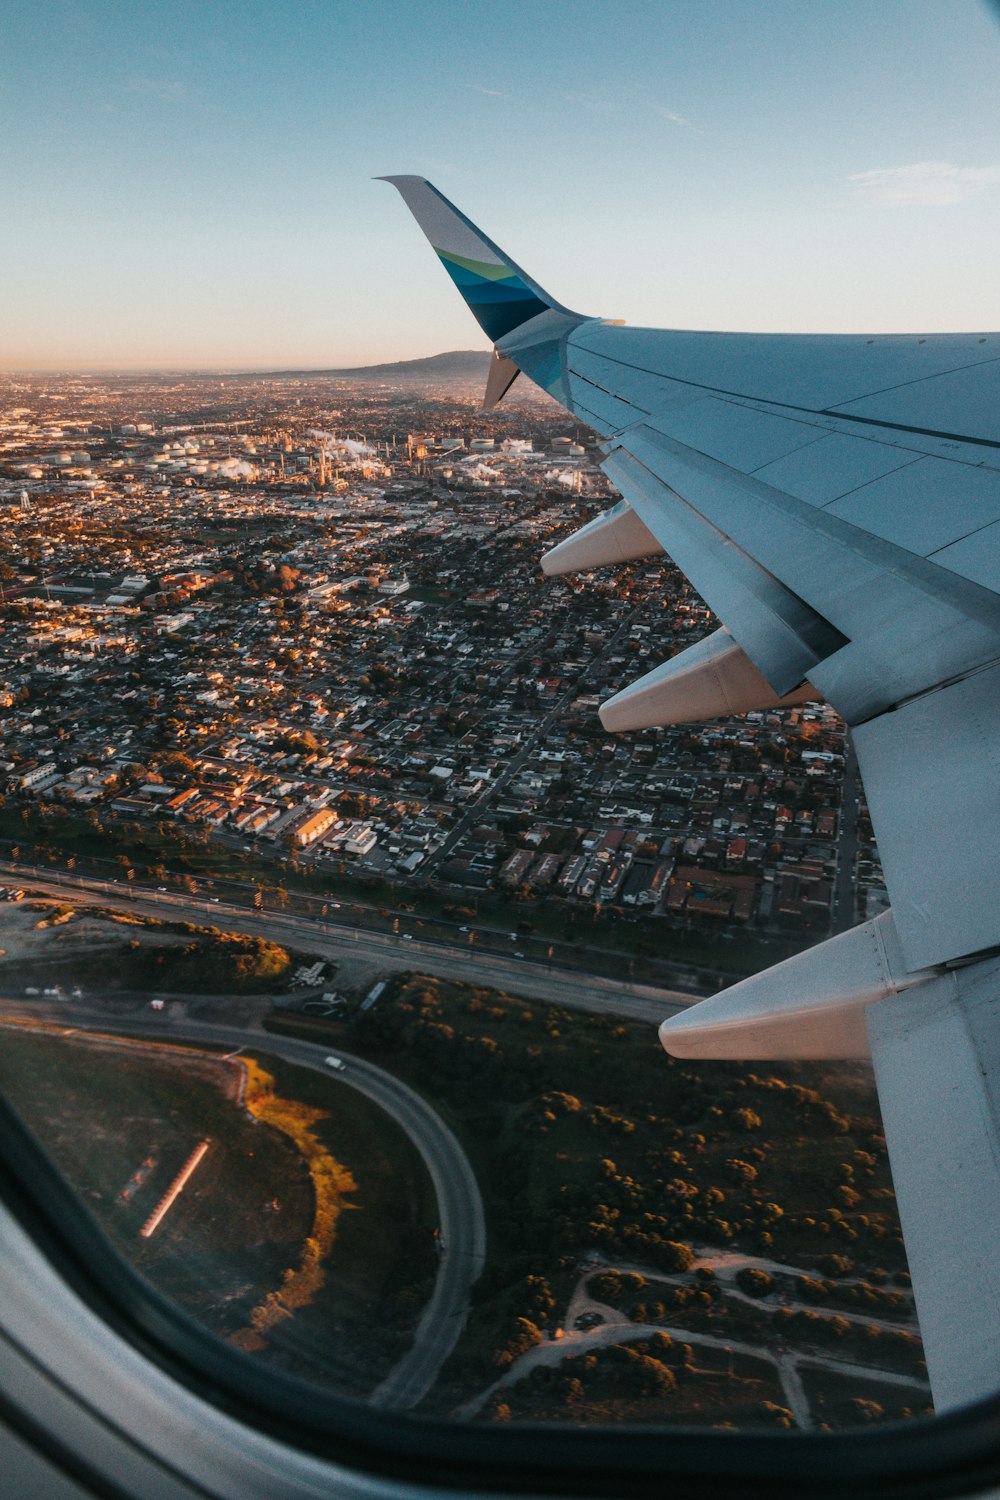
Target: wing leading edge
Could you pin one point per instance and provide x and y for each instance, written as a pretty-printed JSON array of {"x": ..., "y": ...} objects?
[{"x": 836, "y": 501}]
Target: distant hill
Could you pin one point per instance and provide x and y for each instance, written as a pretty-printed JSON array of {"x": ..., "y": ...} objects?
[{"x": 459, "y": 364}]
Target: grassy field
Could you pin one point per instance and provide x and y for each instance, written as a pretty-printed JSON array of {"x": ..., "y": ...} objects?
[
  {"x": 187, "y": 960},
  {"x": 382, "y": 1266},
  {"x": 121, "y": 1120},
  {"x": 106, "y": 1112}
]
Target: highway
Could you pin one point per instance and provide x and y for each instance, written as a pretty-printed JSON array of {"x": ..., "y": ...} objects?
[
  {"x": 460, "y": 1207},
  {"x": 385, "y": 952}
]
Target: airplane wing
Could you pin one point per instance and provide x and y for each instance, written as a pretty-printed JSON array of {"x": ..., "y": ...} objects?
[{"x": 836, "y": 501}]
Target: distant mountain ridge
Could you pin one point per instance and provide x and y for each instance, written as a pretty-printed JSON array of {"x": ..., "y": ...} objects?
[{"x": 457, "y": 364}]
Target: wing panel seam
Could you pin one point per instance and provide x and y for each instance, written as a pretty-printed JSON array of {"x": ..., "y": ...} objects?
[{"x": 824, "y": 411}]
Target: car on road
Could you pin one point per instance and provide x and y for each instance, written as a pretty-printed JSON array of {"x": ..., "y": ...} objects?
[
  {"x": 589, "y": 1320},
  {"x": 407, "y": 937},
  {"x": 337, "y": 1063}
]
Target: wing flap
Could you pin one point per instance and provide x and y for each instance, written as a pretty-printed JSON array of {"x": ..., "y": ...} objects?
[
  {"x": 936, "y": 1052},
  {"x": 932, "y": 778},
  {"x": 904, "y": 623},
  {"x": 772, "y": 625}
]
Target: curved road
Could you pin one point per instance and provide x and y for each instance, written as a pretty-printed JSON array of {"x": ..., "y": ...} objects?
[{"x": 460, "y": 1206}]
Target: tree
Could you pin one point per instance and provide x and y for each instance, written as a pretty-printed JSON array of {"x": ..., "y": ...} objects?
[
  {"x": 753, "y": 1282},
  {"x": 526, "y": 1334}
]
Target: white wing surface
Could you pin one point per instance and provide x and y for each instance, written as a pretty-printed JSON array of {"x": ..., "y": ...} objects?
[{"x": 836, "y": 502}]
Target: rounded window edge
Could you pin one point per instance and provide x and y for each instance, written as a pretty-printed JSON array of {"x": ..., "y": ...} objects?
[{"x": 956, "y": 1453}]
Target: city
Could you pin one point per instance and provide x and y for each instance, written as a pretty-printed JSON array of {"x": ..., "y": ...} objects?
[{"x": 287, "y": 617}]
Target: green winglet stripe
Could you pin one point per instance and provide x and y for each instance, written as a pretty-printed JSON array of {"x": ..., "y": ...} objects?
[{"x": 484, "y": 268}]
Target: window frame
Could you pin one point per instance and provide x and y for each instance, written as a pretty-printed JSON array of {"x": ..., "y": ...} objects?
[{"x": 947, "y": 1455}]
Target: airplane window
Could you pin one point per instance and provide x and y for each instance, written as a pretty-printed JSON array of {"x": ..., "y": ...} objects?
[{"x": 448, "y": 971}]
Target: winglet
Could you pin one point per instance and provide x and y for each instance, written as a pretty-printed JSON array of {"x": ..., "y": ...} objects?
[
  {"x": 503, "y": 373},
  {"x": 499, "y": 294}
]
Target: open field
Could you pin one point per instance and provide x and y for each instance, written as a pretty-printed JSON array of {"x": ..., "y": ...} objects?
[
  {"x": 120, "y": 1118},
  {"x": 109, "y": 1112},
  {"x": 49, "y": 943}
]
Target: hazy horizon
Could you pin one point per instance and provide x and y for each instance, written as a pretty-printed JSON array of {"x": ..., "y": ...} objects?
[{"x": 224, "y": 369}]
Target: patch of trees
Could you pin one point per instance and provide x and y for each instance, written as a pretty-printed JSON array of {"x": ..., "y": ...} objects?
[
  {"x": 218, "y": 964},
  {"x": 258, "y": 577},
  {"x": 619, "y": 1371},
  {"x": 177, "y": 767},
  {"x": 656, "y": 1376},
  {"x": 887, "y": 1348},
  {"x": 615, "y": 1286},
  {"x": 331, "y": 1182},
  {"x": 298, "y": 741},
  {"x": 836, "y": 1402},
  {"x": 692, "y": 1305},
  {"x": 856, "y": 1294},
  {"x": 592, "y": 1139}
]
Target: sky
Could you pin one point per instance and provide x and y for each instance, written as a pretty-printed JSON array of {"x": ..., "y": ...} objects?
[{"x": 189, "y": 185}]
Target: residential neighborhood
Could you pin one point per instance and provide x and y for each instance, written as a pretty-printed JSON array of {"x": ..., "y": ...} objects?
[{"x": 304, "y": 616}]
